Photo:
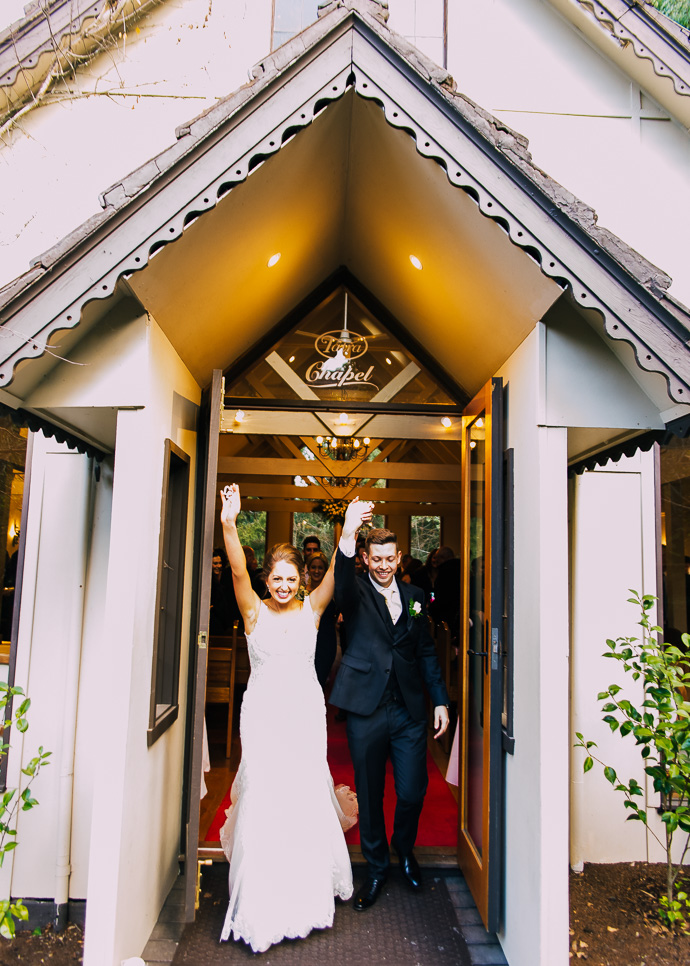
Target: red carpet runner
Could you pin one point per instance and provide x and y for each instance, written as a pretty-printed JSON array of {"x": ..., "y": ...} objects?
[{"x": 438, "y": 824}]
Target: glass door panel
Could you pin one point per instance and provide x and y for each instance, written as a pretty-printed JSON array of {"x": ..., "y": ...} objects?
[
  {"x": 480, "y": 706},
  {"x": 476, "y": 649}
]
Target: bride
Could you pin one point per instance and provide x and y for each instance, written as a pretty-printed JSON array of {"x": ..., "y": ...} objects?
[{"x": 284, "y": 830}]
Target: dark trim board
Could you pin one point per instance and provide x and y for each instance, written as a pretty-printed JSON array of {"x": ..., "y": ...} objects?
[{"x": 44, "y": 912}]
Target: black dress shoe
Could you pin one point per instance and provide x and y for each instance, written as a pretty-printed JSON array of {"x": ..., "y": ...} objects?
[
  {"x": 410, "y": 869},
  {"x": 369, "y": 893}
]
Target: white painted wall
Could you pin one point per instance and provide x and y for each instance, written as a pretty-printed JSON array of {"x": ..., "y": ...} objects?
[
  {"x": 125, "y": 106},
  {"x": 127, "y": 797},
  {"x": 90, "y": 724},
  {"x": 588, "y": 125},
  {"x": 535, "y": 928},
  {"x": 57, "y": 527},
  {"x": 136, "y": 815},
  {"x": 613, "y": 550},
  {"x": 420, "y": 22}
]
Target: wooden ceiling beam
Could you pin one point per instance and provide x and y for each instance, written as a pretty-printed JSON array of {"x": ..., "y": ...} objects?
[
  {"x": 271, "y": 490},
  {"x": 309, "y": 506},
  {"x": 249, "y": 466}
]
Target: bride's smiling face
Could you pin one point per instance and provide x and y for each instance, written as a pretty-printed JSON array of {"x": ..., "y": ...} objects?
[{"x": 283, "y": 582}]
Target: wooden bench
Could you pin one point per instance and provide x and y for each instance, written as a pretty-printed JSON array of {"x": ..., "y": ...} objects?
[{"x": 228, "y": 666}]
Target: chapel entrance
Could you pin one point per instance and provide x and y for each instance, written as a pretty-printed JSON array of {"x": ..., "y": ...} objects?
[{"x": 336, "y": 403}]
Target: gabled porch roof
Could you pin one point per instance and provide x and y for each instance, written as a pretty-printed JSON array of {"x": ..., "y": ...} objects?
[{"x": 348, "y": 148}]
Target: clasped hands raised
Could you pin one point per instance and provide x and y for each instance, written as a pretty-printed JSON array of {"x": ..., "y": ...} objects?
[{"x": 357, "y": 513}]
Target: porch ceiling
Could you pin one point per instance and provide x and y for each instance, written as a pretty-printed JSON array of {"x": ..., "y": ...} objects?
[{"x": 349, "y": 190}]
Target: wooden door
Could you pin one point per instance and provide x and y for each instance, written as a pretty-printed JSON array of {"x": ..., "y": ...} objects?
[
  {"x": 207, "y": 454},
  {"x": 480, "y": 705}
]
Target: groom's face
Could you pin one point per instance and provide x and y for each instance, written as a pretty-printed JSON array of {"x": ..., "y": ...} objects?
[{"x": 382, "y": 559}]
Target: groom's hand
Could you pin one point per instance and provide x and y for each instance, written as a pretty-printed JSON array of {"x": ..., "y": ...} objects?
[
  {"x": 357, "y": 513},
  {"x": 441, "y": 720}
]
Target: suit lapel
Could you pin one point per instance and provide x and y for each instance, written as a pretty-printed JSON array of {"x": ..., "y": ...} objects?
[{"x": 405, "y": 597}]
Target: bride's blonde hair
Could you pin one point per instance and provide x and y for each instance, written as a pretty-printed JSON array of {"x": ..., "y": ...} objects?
[{"x": 282, "y": 552}]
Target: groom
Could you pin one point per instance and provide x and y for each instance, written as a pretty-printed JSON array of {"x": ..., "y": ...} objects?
[{"x": 390, "y": 654}]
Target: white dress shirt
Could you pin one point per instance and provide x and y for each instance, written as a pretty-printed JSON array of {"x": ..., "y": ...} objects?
[{"x": 392, "y": 597}]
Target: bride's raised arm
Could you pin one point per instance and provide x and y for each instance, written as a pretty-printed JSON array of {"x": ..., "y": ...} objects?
[
  {"x": 247, "y": 601},
  {"x": 357, "y": 513}
]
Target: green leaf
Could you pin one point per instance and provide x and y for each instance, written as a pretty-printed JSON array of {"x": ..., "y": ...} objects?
[
  {"x": 671, "y": 820},
  {"x": 609, "y": 774},
  {"x": 588, "y": 764}
]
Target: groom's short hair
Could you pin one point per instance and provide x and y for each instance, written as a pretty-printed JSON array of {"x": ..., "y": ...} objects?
[{"x": 380, "y": 536}]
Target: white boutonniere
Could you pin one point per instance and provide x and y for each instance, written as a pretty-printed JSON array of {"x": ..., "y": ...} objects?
[{"x": 415, "y": 609}]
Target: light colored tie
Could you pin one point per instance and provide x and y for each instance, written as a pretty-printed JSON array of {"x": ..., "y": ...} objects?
[{"x": 393, "y": 601}]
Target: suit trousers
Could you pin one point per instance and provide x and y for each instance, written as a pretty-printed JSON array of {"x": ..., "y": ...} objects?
[{"x": 388, "y": 732}]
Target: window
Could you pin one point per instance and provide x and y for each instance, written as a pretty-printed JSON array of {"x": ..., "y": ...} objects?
[
  {"x": 425, "y": 536},
  {"x": 169, "y": 592},
  {"x": 251, "y": 529},
  {"x": 425, "y": 24},
  {"x": 290, "y": 17},
  {"x": 312, "y": 524}
]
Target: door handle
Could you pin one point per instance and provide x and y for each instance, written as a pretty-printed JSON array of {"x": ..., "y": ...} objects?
[{"x": 482, "y": 654}]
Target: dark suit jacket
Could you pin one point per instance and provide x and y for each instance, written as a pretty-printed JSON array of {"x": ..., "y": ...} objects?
[{"x": 373, "y": 648}]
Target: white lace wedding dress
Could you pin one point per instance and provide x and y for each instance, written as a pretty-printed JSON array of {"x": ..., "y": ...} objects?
[{"x": 283, "y": 835}]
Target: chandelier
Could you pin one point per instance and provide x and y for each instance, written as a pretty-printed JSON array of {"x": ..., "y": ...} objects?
[
  {"x": 343, "y": 447},
  {"x": 338, "y": 481}
]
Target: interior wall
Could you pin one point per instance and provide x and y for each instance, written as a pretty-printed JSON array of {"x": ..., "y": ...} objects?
[
  {"x": 399, "y": 523},
  {"x": 138, "y": 789},
  {"x": 535, "y": 918},
  {"x": 451, "y": 532},
  {"x": 278, "y": 528}
]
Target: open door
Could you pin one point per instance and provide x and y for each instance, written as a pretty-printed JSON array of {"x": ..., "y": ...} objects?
[
  {"x": 206, "y": 501},
  {"x": 480, "y": 706}
]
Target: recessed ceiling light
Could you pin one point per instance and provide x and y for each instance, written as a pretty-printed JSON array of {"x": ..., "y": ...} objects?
[
  {"x": 388, "y": 361},
  {"x": 480, "y": 423},
  {"x": 292, "y": 359},
  {"x": 446, "y": 421},
  {"x": 473, "y": 443},
  {"x": 416, "y": 262},
  {"x": 273, "y": 260}
]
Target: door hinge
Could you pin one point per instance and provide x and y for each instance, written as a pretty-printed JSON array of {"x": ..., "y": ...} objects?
[{"x": 202, "y": 639}]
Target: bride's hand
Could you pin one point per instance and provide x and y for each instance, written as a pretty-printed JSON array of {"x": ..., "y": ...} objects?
[
  {"x": 230, "y": 498},
  {"x": 357, "y": 513}
]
